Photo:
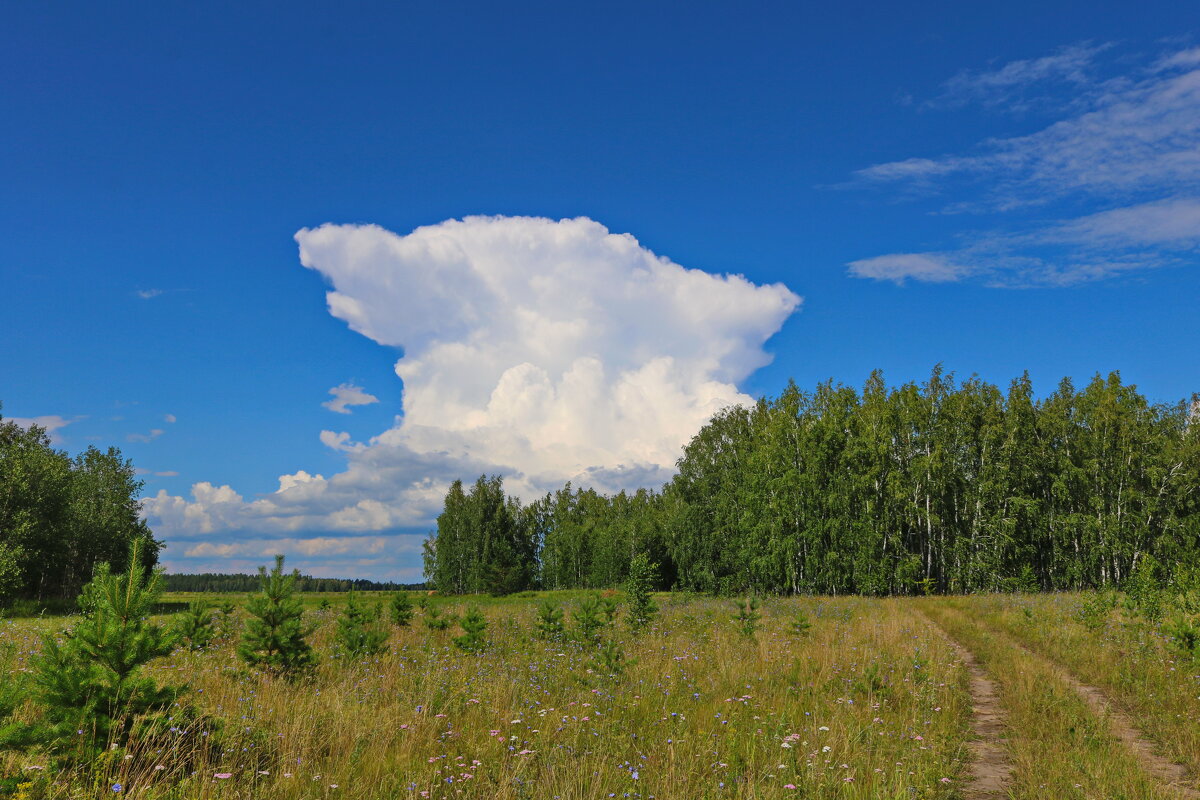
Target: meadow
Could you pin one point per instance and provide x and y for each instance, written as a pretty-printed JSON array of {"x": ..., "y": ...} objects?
[{"x": 821, "y": 697}]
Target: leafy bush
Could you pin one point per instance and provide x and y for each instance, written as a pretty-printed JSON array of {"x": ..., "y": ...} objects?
[
  {"x": 1093, "y": 610},
  {"x": 1144, "y": 593},
  {"x": 1185, "y": 636},
  {"x": 608, "y": 608}
]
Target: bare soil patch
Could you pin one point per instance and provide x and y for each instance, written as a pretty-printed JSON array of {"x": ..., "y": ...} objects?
[{"x": 990, "y": 770}]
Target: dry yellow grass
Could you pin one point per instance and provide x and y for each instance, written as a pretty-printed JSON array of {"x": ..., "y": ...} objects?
[
  {"x": 1059, "y": 747},
  {"x": 870, "y": 705}
]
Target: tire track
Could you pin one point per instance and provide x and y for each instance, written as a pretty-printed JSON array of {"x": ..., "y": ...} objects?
[
  {"x": 990, "y": 770},
  {"x": 1174, "y": 776}
]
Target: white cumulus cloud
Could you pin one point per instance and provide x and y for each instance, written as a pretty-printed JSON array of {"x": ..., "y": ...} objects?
[
  {"x": 347, "y": 394},
  {"x": 51, "y": 423},
  {"x": 543, "y": 350}
]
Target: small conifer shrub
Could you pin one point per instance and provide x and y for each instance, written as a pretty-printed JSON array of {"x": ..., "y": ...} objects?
[
  {"x": 358, "y": 631},
  {"x": 587, "y": 619},
  {"x": 638, "y": 586},
  {"x": 401, "y": 609},
  {"x": 195, "y": 626},
  {"x": 14, "y": 735},
  {"x": 275, "y": 638},
  {"x": 799, "y": 626},
  {"x": 227, "y": 621},
  {"x": 474, "y": 626},
  {"x": 436, "y": 621},
  {"x": 1184, "y": 633},
  {"x": 549, "y": 621},
  {"x": 748, "y": 615},
  {"x": 91, "y": 687},
  {"x": 610, "y": 662},
  {"x": 608, "y": 609}
]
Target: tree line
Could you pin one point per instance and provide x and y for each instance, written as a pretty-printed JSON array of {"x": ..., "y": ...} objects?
[
  {"x": 242, "y": 582},
  {"x": 61, "y": 516},
  {"x": 942, "y": 486}
]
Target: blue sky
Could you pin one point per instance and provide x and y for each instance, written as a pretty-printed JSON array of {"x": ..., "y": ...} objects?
[{"x": 997, "y": 189}]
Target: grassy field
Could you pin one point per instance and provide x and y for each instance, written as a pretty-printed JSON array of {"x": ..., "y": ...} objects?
[{"x": 873, "y": 701}]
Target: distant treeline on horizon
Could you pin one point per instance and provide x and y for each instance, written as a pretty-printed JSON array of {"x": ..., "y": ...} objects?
[
  {"x": 943, "y": 486},
  {"x": 241, "y": 582}
]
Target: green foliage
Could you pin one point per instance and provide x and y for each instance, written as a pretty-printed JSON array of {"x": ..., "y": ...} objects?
[
  {"x": 958, "y": 486},
  {"x": 608, "y": 609},
  {"x": 14, "y": 735},
  {"x": 748, "y": 615},
  {"x": 474, "y": 626},
  {"x": 485, "y": 542},
  {"x": 549, "y": 621},
  {"x": 358, "y": 631},
  {"x": 871, "y": 681},
  {"x": 1144, "y": 590},
  {"x": 1093, "y": 609},
  {"x": 435, "y": 621},
  {"x": 91, "y": 687},
  {"x": 586, "y": 619},
  {"x": 195, "y": 626},
  {"x": 937, "y": 486},
  {"x": 11, "y": 577},
  {"x": 638, "y": 585},
  {"x": 227, "y": 622},
  {"x": 799, "y": 625},
  {"x": 400, "y": 609},
  {"x": 609, "y": 661},
  {"x": 60, "y": 516},
  {"x": 275, "y": 638},
  {"x": 1185, "y": 636}
]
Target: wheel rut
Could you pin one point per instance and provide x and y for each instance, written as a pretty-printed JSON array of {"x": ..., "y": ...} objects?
[
  {"x": 1175, "y": 777},
  {"x": 990, "y": 770}
]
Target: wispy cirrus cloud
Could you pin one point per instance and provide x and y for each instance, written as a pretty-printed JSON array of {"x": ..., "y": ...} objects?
[
  {"x": 899, "y": 267},
  {"x": 1013, "y": 84},
  {"x": 1127, "y": 150}
]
